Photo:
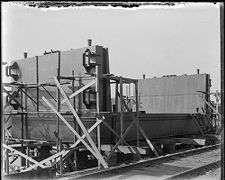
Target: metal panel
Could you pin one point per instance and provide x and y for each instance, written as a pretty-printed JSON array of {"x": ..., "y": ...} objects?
[
  {"x": 27, "y": 70},
  {"x": 42, "y": 127},
  {"x": 47, "y": 66},
  {"x": 172, "y": 94},
  {"x": 161, "y": 125}
]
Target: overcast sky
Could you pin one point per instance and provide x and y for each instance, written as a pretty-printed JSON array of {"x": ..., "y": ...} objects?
[{"x": 151, "y": 41}]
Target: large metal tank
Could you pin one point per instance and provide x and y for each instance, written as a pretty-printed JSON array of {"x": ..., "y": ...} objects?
[{"x": 38, "y": 70}]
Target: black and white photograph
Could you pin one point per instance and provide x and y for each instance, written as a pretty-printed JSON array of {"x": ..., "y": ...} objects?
[{"x": 112, "y": 90}]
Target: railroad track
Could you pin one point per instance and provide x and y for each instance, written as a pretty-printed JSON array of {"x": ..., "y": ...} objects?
[
  {"x": 195, "y": 171},
  {"x": 181, "y": 165}
]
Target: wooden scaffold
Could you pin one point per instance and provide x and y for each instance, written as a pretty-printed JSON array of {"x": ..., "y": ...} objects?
[{"x": 84, "y": 136}]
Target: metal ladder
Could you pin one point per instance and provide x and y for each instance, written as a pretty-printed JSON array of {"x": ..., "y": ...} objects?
[{"x": 202, "y": 123}]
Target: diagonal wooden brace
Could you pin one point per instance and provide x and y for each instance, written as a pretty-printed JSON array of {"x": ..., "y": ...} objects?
[
  {"x": 133, "y": 150},
  {"x": 79, "y": 91},
  {"x": 99, "y": 156},
  {"x": 64, "y": 152},
  {"x": 142, "y": 131},
  {"x": 120, "y": 140},
  {"x": 76, "y": 134},
  {"x": 25, "y": 156}
]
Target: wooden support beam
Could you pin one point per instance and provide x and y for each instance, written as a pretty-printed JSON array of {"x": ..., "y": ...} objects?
[
  {"x": 120, "y": 140},
  {"x": 124, "y": 149},
  {"x": 99, "y": 156},
  {"x": 137, "y": 112},
  {"x": 65, "y": 151},
  {"x": 133, "y": 150},
  {"x": 24, "y": 156},
  {"x": 97, "y": 109},
  {"x": 96, "y": 154},
  {"x": 142, "y": 131},
  {"x": 12, "y": 97},
  {"x": 148, "y": 141},
  {"x": 79, "y": 90},
  {"x": 121, "y": 107}
]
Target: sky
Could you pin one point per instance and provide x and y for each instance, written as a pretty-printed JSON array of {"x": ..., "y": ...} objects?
[{"x": 154, "y": 40}]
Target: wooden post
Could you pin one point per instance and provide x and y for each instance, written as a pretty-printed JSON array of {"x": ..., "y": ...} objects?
[
  {"x": 26, "y": 115},
  {"x": 37, "y": 79},
  {"x": 60, "y": 161},
  {"x": 74, "y": 121},
  {"x": 116, "y": 97},
  {"x": 137, "y": 112},
  {"x": 94, "y": 151},
  {"x": 121, "y": 106},
  {"x": 23, "y": 161},
  {"x": 93, "y": 145},
  {"x": 26, "y": 124},
  {"x": 97, "y": 110},
  {"x": 7, "y": 160},
  {"x": 58, "y": 107},
  {"x": 222, "y": 84},
  {"x": 64, "y": 152},
  {"x": 116, "y": 109},
  {"x": 28, "y": 154}
]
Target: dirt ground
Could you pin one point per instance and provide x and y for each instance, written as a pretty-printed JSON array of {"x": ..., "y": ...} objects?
[{"x": 212, "y": 174}]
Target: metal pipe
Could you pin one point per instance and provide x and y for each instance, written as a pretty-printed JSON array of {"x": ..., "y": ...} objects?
[
  {"x": 198, "y": 71},
  {"x": 89, "y": 42},
  {"x": 25, "y": 55}
]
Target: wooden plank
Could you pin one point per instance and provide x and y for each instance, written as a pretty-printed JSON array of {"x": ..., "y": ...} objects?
[
  {"x": 25, "y": 156},
  {"x": 142, "y": 132},
  {"x": 133, "y": 150},
  {"x": 148, "y": 141},
  {"x": 79, "y": 90},
  {"x": 194, "y": 141},
  {"x": 76, "y": 134},
  {"x": 120, "y": 140},
  {"x": 65, "y": 152},
  {"x": 123, "y": 149},
  {"x": 99, "y": 156}
]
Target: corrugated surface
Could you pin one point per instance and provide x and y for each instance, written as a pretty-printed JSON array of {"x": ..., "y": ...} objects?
[{"x": 172, "y": 94}]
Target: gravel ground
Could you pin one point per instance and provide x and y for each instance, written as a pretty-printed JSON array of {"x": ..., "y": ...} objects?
[{"x": 212, "y": 174}]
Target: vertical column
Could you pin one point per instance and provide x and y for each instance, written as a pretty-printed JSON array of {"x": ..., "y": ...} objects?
[
  {"x": 97, "y": 110},
  {"x": 59, "y": 108},
  {"x": 26, "y": 115},
  {"x": 116, "y": 109},
  {"x": 74, "y": 120},
  {"x": 121, "y": 106},
  {"x": 26, "y": 126},
  {"x": 22, "y": 127},
  {"x": 7, "y": 160},
  {"x": 116, "y": 97},
  {"x": 137, "y": 111},
  {"x": 222, "y": 84},
  {"x": 79, "y": 102},
  {"x": 37, "y": 80}
]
